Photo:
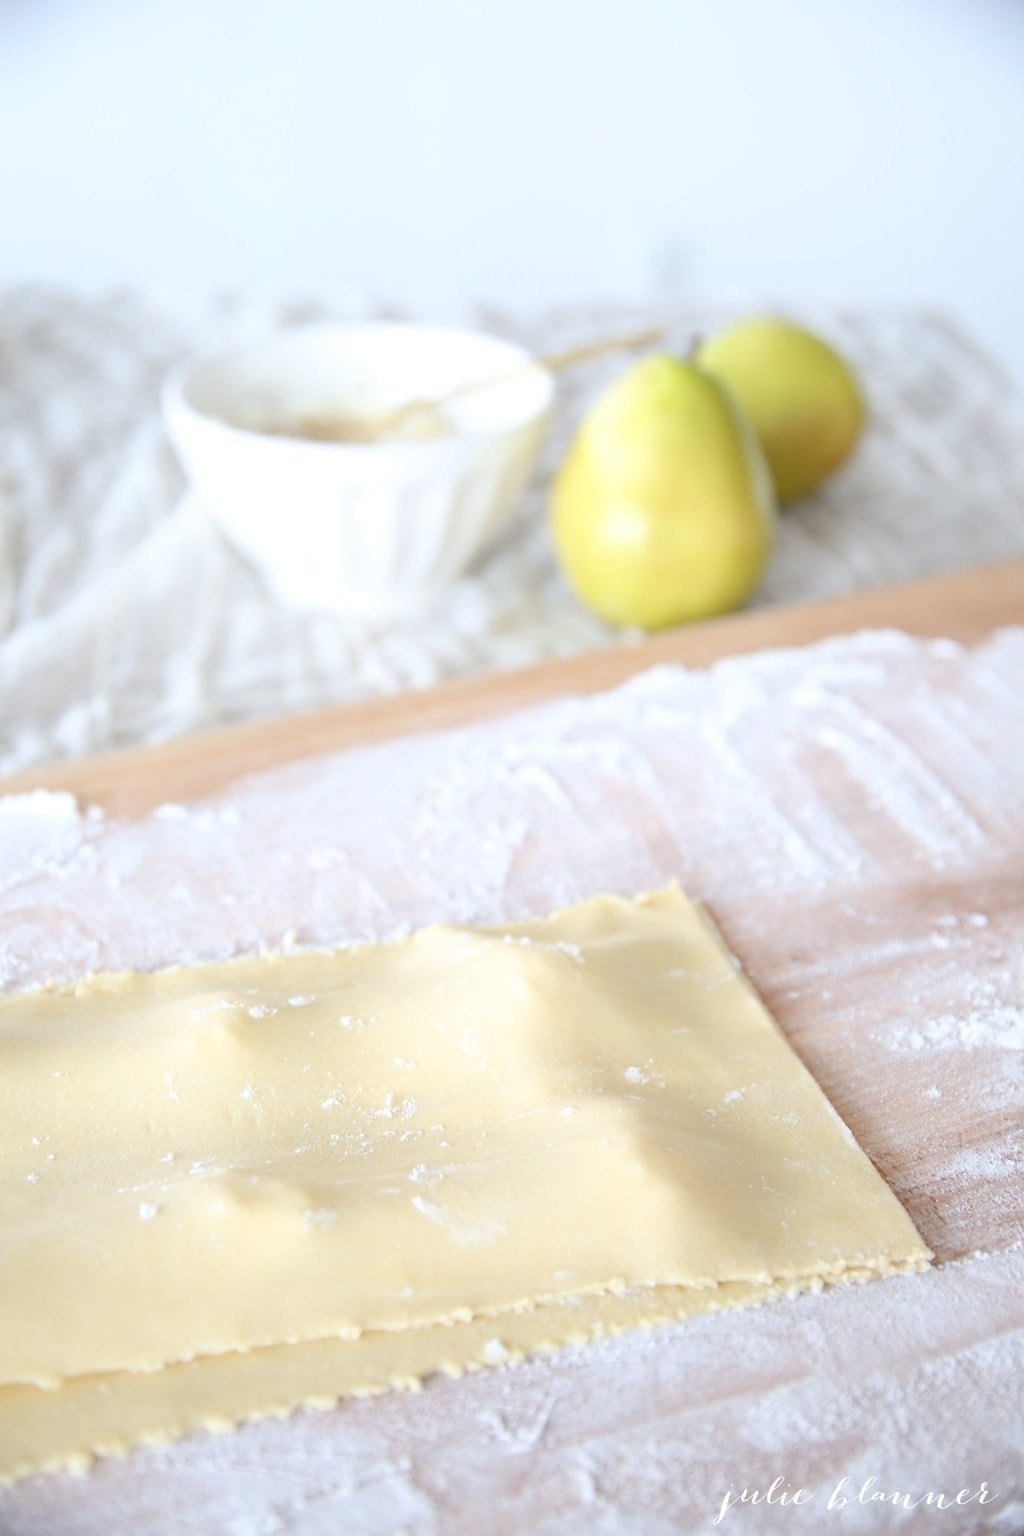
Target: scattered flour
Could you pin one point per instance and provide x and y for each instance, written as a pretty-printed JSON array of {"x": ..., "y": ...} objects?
[
  {"x": 999, "y": 1028},
  {"x": 38, "y": 832}
]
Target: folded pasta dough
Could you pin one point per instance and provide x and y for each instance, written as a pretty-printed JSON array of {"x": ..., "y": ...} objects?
[
  {"x": 107, "y": 1414},
  {"x": 458, "y": 1128}
]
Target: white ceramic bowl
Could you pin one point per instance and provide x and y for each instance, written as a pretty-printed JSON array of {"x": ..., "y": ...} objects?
[{"x": 371, "y": 528}]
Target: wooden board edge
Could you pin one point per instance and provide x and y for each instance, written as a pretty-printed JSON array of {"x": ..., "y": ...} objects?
[{"x": 963, "y": 606}]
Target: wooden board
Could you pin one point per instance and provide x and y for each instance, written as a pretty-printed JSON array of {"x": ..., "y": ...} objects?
[
  {"x": 645, "y": 1436},
  {"x": 964, "y": 606}
]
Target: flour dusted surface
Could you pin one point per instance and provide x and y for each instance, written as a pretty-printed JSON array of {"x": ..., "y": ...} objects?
[{"x": 852, "y": 815}]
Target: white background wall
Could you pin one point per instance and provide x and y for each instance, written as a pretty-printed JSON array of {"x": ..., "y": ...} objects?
[{"x": 436, "y": 151}]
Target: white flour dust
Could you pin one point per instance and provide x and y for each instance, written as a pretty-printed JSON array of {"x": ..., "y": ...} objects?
[
  {"x": 994, "y": 1028},
  {"x": 788, "y": 772}
]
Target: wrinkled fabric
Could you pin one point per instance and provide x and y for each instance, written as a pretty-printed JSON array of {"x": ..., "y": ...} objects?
[{"x": 126, "y": 617}]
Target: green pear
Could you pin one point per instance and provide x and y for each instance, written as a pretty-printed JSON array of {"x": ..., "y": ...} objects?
[
  {"x": 663, "y": 510},
  {"x": 801, "y": 398}
]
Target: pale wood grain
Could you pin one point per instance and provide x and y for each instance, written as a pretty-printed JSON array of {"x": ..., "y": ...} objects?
[{"x": 964, "y": 607}]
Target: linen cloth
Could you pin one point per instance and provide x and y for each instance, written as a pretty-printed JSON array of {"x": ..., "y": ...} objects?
[{"x": 126, "y": 617}]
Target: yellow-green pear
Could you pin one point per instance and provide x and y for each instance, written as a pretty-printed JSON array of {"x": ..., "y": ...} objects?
[
  {"x": 802, "y": 399},
  {"x": 663, "y": 510}
]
